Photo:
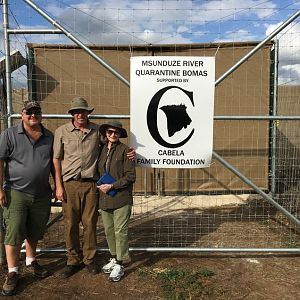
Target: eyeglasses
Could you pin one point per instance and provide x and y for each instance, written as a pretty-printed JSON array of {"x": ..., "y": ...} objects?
[
  {"x": 78, "y": 111},
  {"x": 36, "y": 112},
  {"x": 111, "y": 132}
]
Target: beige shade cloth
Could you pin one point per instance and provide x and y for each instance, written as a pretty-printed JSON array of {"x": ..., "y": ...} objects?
[{"x": 62, "y": 72}]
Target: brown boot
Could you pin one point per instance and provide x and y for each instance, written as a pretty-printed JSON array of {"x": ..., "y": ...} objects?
[{"x": 10, "y": 284}]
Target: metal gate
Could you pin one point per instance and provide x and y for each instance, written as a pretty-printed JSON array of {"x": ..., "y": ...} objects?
[{"x": 253, "y": 218}]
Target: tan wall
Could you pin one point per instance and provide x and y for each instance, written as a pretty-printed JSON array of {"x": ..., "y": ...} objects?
[{"x": 63, "y": 72}]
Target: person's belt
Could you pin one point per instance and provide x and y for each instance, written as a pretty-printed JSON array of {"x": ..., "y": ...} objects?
[{"x": 83, "y": 179}]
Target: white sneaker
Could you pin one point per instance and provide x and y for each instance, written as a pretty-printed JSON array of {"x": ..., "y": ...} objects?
[
  {"x": 109, "y": 266},
  {"x": 116, "y": 273}
]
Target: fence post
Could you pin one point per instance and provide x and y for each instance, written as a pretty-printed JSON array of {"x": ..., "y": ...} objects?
[{"x": 8, "y": 99}]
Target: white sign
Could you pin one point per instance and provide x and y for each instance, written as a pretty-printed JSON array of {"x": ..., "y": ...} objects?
[{"x": 172, "y": 102}]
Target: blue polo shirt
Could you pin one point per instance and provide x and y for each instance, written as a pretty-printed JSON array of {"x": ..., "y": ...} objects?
[{"x": 27, "y": 162}]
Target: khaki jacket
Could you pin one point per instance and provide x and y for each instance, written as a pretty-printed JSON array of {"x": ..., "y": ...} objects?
[{"x": 123, "y": 170}]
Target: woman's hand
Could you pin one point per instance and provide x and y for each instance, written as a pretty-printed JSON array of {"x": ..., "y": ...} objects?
[{"x": 105, "y": 187}]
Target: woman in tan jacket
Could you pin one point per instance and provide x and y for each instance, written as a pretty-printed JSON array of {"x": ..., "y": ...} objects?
[{"x": 115, "y": 185}]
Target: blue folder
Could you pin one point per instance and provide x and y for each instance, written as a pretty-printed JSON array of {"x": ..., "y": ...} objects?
[{"x": 107, "y": 179}]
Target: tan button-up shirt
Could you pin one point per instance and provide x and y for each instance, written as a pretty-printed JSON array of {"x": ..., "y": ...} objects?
[{"x": 78, "y": 150}]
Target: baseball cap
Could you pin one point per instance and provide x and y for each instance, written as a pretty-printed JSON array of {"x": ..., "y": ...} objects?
[{"x": 31, "y": 104}]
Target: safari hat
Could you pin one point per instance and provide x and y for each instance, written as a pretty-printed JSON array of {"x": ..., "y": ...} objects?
[
  {"x": 113, "y": 124},
  {"x": 80, "y": 103}
]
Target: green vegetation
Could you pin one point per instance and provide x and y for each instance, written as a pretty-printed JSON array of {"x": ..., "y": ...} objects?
[{"x": 182, "y": 284}]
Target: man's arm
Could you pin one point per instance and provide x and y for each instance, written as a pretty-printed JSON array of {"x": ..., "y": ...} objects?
[
  {"x": 60, "y": 193},
  {"x": 131, "y": 154},
  {"x": 2, "y": 194}
]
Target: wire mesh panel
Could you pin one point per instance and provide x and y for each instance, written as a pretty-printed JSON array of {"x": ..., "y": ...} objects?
[{"x": 207, "y": 208}]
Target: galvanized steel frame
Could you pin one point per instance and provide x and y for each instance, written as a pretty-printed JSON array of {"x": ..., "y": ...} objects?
[{"x": 61, "y": 30}]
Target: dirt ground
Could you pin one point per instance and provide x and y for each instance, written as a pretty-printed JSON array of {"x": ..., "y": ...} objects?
[
  {"x": 243, "y": 276},
  {"x": 183, "y": 275}
]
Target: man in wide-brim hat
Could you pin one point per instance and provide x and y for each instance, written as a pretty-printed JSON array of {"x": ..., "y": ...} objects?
[{"x": 75, "y": 153}]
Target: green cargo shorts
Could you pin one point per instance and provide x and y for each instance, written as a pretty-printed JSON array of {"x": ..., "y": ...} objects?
[{"x": 25, "y": 217}]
